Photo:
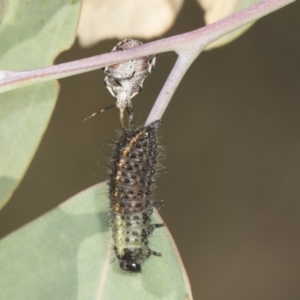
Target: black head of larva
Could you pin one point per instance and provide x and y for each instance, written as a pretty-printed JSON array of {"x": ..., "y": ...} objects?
[
  {"x": 131, "y": 266},
  {"x": 131, "y": 260}
]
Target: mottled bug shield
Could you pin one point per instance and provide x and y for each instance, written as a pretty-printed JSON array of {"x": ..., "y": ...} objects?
[{"x": 125, "y": 80}]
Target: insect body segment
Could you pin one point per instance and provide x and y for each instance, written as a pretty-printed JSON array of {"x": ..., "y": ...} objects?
[
  {"x": 130, "y": 186},
  {"x": 125, "y": 80}
]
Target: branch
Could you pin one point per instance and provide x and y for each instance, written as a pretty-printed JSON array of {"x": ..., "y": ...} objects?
[
  {"x": 188, "y": 46},
  {"x": 165, "y": 95}
]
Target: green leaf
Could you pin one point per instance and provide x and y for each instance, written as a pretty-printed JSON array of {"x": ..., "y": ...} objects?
[
  {"x": 218, "y": 9},
  {"x": 32, "y": 33},
  {"x": 68, "y": 254}
]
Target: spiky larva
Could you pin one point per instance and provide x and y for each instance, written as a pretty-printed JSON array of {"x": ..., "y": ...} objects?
[{"x": 130, "y": 187}]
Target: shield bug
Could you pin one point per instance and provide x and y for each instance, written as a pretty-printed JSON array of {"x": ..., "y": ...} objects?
[{"x": 125, "y": 80}]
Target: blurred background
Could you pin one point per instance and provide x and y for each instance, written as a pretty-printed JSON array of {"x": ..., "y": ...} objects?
[{"x": 232, "y": 156}]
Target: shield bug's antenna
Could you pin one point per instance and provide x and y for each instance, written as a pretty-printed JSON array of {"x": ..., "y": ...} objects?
[{"x": 98, "y": 112}]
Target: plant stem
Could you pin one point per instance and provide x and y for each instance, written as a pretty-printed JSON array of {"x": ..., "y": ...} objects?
[
  {"x": 190, "y": 45},
  {"x": 165, "y": 95}
]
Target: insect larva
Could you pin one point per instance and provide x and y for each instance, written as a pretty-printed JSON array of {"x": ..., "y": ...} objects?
[
  {"x": 125, "y": 80},
  {"x": 131, "y": 204}
]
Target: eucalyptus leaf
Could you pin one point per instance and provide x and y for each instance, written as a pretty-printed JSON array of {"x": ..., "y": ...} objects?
[
  {"x": 32, "y": 34},
  {"x": 68, "y": 254},
  {"x": 215, "y": 10},
  {"x": 101, "y": 20}
]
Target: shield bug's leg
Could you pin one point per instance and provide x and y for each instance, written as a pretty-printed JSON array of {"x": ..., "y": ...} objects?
[
  {"x": 130, "y": 112},
  {"x": 151, "y": 64},
  {"x": 122, "y": 116},
  {"x": 130, "y": 116}
]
